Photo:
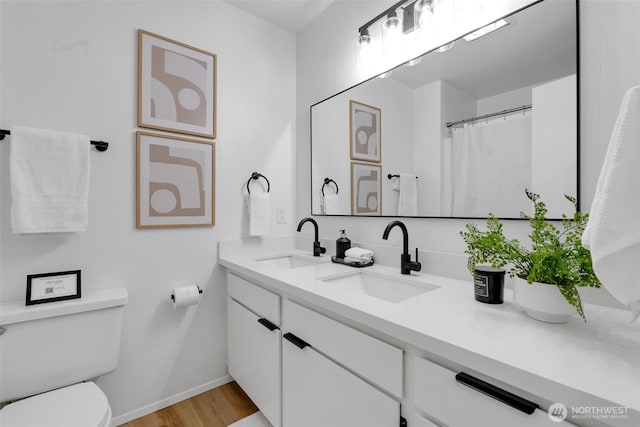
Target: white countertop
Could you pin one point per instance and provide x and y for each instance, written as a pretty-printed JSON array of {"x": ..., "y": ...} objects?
[{"x": 588, "y": 364}]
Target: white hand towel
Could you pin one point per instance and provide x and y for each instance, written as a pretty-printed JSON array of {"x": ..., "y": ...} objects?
[
  {"x": 357, "y": 252},
  {"x": 408, "y": 200},
  {"x": 331, "y": 204},
  {"x": 395, "y": 183},
  {"x": 49, "y": 174},
  {"x": 259, "y": 214},
  {"x": 613, "y": 231}
]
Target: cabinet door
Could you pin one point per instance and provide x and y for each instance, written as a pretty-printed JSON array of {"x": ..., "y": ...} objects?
[
  {"x": 319, "y": 393},
  {"x": 254, "y": 358}
]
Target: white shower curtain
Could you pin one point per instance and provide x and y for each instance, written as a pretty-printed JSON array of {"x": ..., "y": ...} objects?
[{"x": 491, "y": 167}]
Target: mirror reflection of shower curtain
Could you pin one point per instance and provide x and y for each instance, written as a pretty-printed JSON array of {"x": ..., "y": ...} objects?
[{"x": 491, "y": 167}]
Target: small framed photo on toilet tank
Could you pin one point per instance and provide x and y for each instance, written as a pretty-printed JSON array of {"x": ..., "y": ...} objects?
[{"x": 50, "y": 287}]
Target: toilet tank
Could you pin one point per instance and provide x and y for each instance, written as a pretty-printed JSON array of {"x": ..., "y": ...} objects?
[{"x": 56, "y": 344}]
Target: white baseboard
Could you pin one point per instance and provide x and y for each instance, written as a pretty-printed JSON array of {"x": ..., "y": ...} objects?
[{"x": 168, "y": 401}]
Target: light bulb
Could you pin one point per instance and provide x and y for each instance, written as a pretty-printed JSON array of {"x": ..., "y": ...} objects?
[
  {"x": 414, "y": 61},
  {"x": 422, "y": 14},
  {"x": 365, "y": 47},
  {"x": 392, "y": 30},
  {"x": 488, "y": 29},
  {"x": 445, "y": 47}
]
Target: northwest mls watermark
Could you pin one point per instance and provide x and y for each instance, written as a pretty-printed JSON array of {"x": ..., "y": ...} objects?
[{"x": 558, "y": 412}]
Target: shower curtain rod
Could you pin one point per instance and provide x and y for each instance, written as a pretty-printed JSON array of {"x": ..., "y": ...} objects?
[{"x": 486, "y": 116}]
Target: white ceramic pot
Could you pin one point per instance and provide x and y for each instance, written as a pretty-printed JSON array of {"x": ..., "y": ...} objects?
[{"x": 542, "y": 301}]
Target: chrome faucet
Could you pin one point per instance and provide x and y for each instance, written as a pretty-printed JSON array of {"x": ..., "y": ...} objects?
[
  {"x": 317, "y": 249},
  {"x": 406, "y": 265}
]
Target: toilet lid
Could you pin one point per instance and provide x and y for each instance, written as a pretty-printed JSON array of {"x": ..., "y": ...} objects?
[{"x": 79, "y": 405}]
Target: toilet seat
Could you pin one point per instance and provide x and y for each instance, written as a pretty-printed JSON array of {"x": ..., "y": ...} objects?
[{"x": 79, "y": 405}]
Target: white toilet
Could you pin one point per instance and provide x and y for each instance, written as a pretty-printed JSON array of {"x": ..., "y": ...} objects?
[{"x": 51, "y": 351}]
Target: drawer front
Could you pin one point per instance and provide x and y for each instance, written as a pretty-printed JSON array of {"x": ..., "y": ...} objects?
[
  {"x": 439, "y": 394},
  {"x": 259, "y": 300},
  {"x": 371, "y": 358}
]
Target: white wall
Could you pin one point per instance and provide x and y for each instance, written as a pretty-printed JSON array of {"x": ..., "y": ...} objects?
[
  {"x": 553, "y": 131},
  {"x": 427, "y": 103},
  {"x": 331, "y": 143},
  {"x": 73, "y": 66},
  {"x": 610, "y": 42}
]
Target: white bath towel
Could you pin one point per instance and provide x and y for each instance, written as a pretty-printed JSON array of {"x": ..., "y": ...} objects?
[
  {"x": 358, "y": 253},
  {"x": 331, "y": 204},
  {"x": 613, "y": 230},
  {"x": 259, "y": 214},
  {"x": 49, "y": 174},
  {"x": 408, "y": 200}
]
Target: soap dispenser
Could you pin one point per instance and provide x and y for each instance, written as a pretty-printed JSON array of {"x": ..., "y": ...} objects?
[{"x": 342, "y": 244}]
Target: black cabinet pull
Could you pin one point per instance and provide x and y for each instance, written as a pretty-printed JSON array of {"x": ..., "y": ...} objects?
[
  {"x": 270, "y": 326},
  {"x": 499, "y": 394},
  {"x": 298, "y": 342}
]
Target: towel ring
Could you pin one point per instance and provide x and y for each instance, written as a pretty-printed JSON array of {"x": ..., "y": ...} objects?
[
  {"x": 327, "y": 181},
  {"x": 256, "y": 175}
]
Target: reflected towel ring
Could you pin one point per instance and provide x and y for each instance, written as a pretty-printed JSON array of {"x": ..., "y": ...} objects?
[
  {"x": 327, "y": 181},
  {"x": 256, "y": 175}
]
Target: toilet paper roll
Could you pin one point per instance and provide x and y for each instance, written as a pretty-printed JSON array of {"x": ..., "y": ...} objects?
[{"x": 185, "y": 296}]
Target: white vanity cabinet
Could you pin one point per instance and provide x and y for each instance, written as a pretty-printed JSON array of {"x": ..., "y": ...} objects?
[
  {"x": 254, "y": 344},
  {"x": 320, "y": 359},
  {"x": 458, "y": 399}
]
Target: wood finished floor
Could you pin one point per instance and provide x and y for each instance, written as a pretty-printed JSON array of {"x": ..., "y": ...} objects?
[{"x": 219, "y": 407}]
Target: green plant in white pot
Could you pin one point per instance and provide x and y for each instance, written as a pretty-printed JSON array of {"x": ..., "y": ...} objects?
[{"x": 555, "y": 258}]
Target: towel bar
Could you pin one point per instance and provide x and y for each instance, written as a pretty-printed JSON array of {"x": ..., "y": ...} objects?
[
  {"x": 100, "y": 145},
  {"x": 389, "y": 176},
  {"x": 327, "y": 181},
  {"x": 256, "y": 175}
]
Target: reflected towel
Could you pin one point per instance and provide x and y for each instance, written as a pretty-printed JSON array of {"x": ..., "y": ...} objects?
[
  {"x": 259, "y": 214},
  {"x": 408, "y": 200},
  {"x": 331, "y": 204},
  {"x": 613, "y": 231},
  {"x": 49, "y": 174}
]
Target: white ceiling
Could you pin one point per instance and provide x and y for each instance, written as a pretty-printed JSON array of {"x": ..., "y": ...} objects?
[{"x": 292, "y": 15}]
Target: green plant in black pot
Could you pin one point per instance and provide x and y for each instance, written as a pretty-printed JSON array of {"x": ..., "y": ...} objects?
[{"x": 555, "y": 255}]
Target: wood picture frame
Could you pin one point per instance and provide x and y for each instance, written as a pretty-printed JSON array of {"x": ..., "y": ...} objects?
[
  {"x": 176, "y": 86},
  {"x": 51, "y": 287},
  {"x": 366, "y": 189},
  {"x": 365, "y": 132},
  {"x": 175, "y": 181}
]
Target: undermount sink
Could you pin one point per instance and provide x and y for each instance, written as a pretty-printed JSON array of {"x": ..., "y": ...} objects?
[
  {"x": 287, "y": 262},
  {"x": 390, "y": 289}
]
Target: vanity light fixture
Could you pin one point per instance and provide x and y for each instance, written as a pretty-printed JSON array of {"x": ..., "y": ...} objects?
[
  {"x": 410, "y": 27},
  {"x": 481, "y": 32},
  {"x": 467, "y": 10}
]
